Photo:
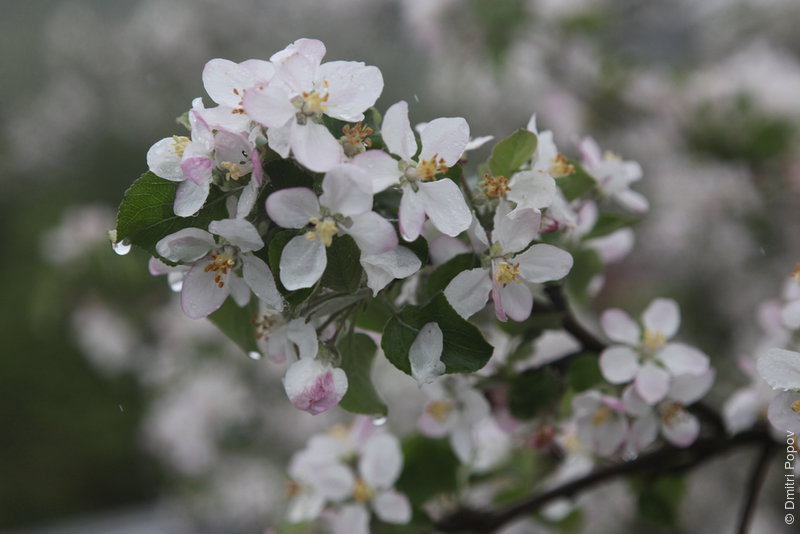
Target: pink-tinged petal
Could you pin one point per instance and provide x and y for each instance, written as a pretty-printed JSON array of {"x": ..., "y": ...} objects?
[
  {"x": 681, "y": 429},
  {"x": 314, "y": 147},
  {"x": 293, "y": 207},
  {"x": 620, "y": 327},
  {"x": 381, "y": 461},
  {"x": 742, "y": 409},
  {"x": 373, "y": 233},
  {"x": 384, "y": 267},
  {"x": 662, "y": 315},
  {"x": 515, "y": 232},
  {"x": 298, "y": 73},
  {"x": 781, "y": 413},
  {"x": 233, "y": 147},
  {"x": 790, "y": 315},
  {"x": 632, "y": 201},
  {"x": 239, "y": 291},
  {"x": 164, "y": 162},
  {"x": 425, "y": 354},
  {"x": 445, "y": 138},
  {"x": 397, "y": 133},
  {"x": 543, "y": 263},
  {"x": 688, "y": 389},
  {"x": 258, "y": 70},
  {"x": 239, "y": 233},
  {"x": 652, "y": 383},
  {"x": 531, "y": 189},
  {"x": 619, "y": 364},
  {"x": 189, "y": 244},
  {"x": 259, "y": 278},
  {"x": 197, "y": 168},
  {"x": 346, "y": 191},
  {"x": 392, "y": 507},
  {"x": 643, "y": 432},
  {"x": 302, "y": 263},
  {"x": 517, "y": 301},
  {"x": 445, "y": 205},
  {"x": 411, "y": 215},
  {"x": 205, "y": 121},
  {"x": 591, "y": 155},
  {"x": 780, "y": 368},
  {"x": 680, "y": 358},
  {"x": 349, "y": 519},
  {"x": 225, "y": 81},
  {"x": 201, "y": 295},
  {"x": 499, "y": 311},
  {"x": 443, "y": 248},
  {"x": 312, "y": 49},
  {"x": 468, "y": 292},
  {"x": 269, "y": 105},
  {"x": 189, "y": 198},
  {"x": 352, "y": 88},
  {"x": 381, "y": 168},
  {"x": 614, "y": 246},
  {"x": 157, "y": 267},
  {"x": 314, "y": 387}
]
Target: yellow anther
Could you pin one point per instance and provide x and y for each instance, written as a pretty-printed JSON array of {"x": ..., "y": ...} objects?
[
  {"x": 355, "y": 139},
  {"x": 362, "y": 492},
  {"x": 439, "y": 409},
  {"x": 506, "y": 273},
  {"x": 560, "y": 166},
  {"x": 796, "y": 273},
  {"x": 611, "y": 156},
  {"x": 314, "y": 103},
  {"x": 233, "y": 171},
  {"x": 495, "y": 186},
  {"x": 324, "y": 230},
  {"x": 795, "y": 406},
  {"x": 427, "y": 169},
  {"x": 601, "y": 416},
  {"x": 179, "y": 144},
  {"x": 220, "y": 264},
  {"x": 653, "y": 340},
  {"x": 265, "y": 324}
]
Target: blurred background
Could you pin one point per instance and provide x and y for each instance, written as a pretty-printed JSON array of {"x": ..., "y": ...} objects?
[{"x": 120, "y": 415}]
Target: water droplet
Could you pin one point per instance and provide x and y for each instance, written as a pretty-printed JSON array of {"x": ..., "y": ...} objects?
[
  {"x": 253, "y": 355},
  {"x": 121, "y": 247},
  {"x": 121, "y": 408},
  {"x": 175, "y": 281},
  {"x": 379, "y": 420},
  {"x": 416, "y": 98}
]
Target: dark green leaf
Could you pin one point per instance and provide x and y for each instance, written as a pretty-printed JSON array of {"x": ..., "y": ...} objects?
[
  {"x": 146, "y": 214},
  {"x": 343, "y": 272},
  {"x": 429, "y": 468},
  {"x": 443, "y": 274},
  {"x": 374, "y": 316},
  {"x": 577, "y": 184},
  {"x": 660, "y": 500},
  {"x": 608, "y": 223},
  {"x": 284, "y": 173},
  {"x": 532, "y": 392},
  {"x": 358, "y": 353},
  {"x": 512, "y": 152},
  {"x": 464, "y": 351},
  {"x": 237, "y": 323},
  {"x": 584, "y": 372}
]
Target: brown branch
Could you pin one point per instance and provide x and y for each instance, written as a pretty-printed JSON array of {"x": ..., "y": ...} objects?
[
  {"x": 666, "y": 459},
  {"x": 756, "y": 480}
]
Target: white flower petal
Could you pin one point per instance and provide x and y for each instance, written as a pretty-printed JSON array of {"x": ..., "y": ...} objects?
[
  {"x": 445, "y": 205},
  {"x": 239, "y": 232},
  {"x": 515, "y": 231},
  {"x": 381, "y": 168},
  {"x": 314, "y": 387},
  {"x": 259, "y": 278},
  {"x": 643, "y": 432},
  {"x": 411, "y": 215},
  {"x": 632, "y": 201},
  {"x": 531, "y": 189},
  {"x": 200, "y": 294},
  {"x": 681, "y": 429},
  {"x": 781, "y": 414},
  {"x": 790, "y": 315},
  {"x": 314, "y": 146},
  {"x": 392, "y": 507},
  {"x": 164, "y": 162},
  {"x": 468, "y": 291},
  {"x": 445, "y": 138},
  {"x": 293, "y": 207},
  {"x": 373, "y": 234},
  {"x": 346, "y": 190},
  {"x": 352, "y": 88},
  {"x": 239, "y": 291},
  {"x": 620, "y": 327},
  {"x": 425, "y": 354},
  {"x": 742, "y": 409},
  {"x": 302, "y": 263},
  {"x": 247, "y": 200},
  {"x": 381, "y": 461},
  {"x": 780, "y": 368},
  {"x": 350, "y": 519},
  {"x": 189, "y": 198},
  {"x": 662, "y": 315},
  {"x": 633, "y": 403},
  {"x": 690, "y": 388},
  {"x": 652, "y": 383},
  {"x": 396, "y": 131},
  {"x": 680, "y": 358},
  {"x": 543, "y": 263},
  {"x": 269, "y": 105},
  {"x": 384, "y": 267},
  {"x": 517, "y": 301},
  {"x": 189, "y": 244},
  {"x": 614, "y": 246},
  {"x": 619, "y": 364}
]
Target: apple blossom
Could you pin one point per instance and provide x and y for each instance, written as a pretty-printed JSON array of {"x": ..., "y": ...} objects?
[
  {"x": 313, "y": 385},
  {"x": 600, "y": 422},
  {"x": 613, "y": 175}
]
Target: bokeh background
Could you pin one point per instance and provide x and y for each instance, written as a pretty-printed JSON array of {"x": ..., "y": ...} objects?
[{"x": 119, "y": 415}]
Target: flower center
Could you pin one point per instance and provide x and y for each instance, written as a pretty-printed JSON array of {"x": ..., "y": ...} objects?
[
  {"x": 440, "y": 409},
  {"x": 232, "y": 170},
  {"x": 324, "y": 229},
  {"x": 266, "y": 324},
  {"x": 611, "y": 156},
  {"x": 179, "y": 144},
  {"x": 293, "y": 489},
  {"x": 506, "y": 273},
  {"x": 653, "y": 340},
  {"x": 362, "y": 492},
  {"x": 672, "y": 412},
  {"x": 560, "y": 166},
  {"x": 601, "y": 416},
  {"x": 795, "y": 406},
  {"x": 427, "y": 169},
  {"x": 221, "y": 263},
  {"x": 495, "y": 186},
  {"x": 796, "y": 273},
  {"x": 355, "y": 139}
]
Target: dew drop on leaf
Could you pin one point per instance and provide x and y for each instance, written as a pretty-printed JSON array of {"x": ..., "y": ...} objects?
[{"x": 121, "y": 247}]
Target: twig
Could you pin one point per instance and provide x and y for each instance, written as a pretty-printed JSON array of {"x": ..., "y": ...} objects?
[
  {"x": 589, "y": 342},
  {"x": 754, "y": 483}
]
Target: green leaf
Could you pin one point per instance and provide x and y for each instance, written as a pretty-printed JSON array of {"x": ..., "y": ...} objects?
[
  {"x": 429, "y": 468},
  {"x": 532, "y": 392},
  {"x": 284, "y": 173},
  {"x": 659, "y": 500},
  {"x": 146, "y": 214},
  {"x": 512, "y": 152},
  {"x": 608, "y": 223},
  {"x": 442, "y": 275},
  {"x": 343, "y": 272},
  {"x": 358, "y": 353},
  {"x": 374, "y": 316},
  {"x": 577, "y": 184},
  {"x": 464, "y": 348},
  {"x": 237, "y": 323},
  {"x": 584, "y": 372}
]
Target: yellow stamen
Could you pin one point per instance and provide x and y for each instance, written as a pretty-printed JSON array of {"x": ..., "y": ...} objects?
[
  {"x": 355, "y": 139},
  {"x": 653, "y": 340},
  {"x": 264, "y": 325},
  {"x": 795, "y": 406},
  {"x": 314, "y": 103},
  {"x": 220, "y": 264},
  {"x": 672, "y": 412},
  {"x": 234, "y": 171},
  {"x": 179, "y": 144},
  {"x": 506, "y": 273},
  {"x": 427, "y": 169},
  {"x": 362, "y": 492},
  {"x": 439, "y": 410},
  {"x": 601, "y": 416},
  {"x": 560, "y": 166},
  {"x": 495, "y": 186},
  {"x": 324, "y": 229}
]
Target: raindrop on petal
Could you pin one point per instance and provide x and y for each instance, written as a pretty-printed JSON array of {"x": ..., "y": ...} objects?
[
  {"x": 379, "y": 420},
  {"x": 253, "y": 355}
]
